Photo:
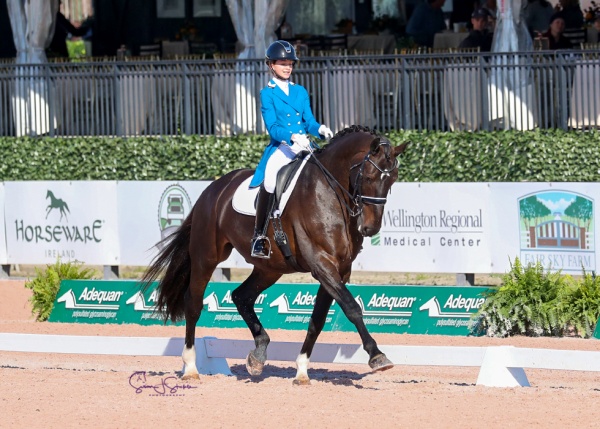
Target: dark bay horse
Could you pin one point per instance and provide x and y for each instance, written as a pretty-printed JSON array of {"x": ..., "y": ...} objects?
[{"x": 325, "y": 219}]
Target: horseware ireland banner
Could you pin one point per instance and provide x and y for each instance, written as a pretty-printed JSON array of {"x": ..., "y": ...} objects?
[
  {"x": 46, "y": 221},
  {"x": 444, "y": 310}
]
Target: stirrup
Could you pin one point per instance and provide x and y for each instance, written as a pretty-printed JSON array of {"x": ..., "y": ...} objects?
[{"x": 261, "y": 247}]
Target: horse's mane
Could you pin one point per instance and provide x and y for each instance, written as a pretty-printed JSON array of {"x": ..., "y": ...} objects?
[{"x": 349, "y": 130}]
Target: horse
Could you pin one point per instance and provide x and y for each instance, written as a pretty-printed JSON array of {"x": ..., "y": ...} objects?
[
  {"x": 338, "y": 201},
  {"x": 56, "y": 203}
]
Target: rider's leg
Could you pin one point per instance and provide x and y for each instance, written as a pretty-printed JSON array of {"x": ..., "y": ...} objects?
[{"x": 261, "y": 247}]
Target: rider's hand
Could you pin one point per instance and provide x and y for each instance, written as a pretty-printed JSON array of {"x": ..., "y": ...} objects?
[
  {"x": 301, "y": 140},
  {"x": 325, "y": 131}
]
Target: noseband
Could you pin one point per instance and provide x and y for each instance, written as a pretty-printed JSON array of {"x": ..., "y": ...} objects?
[{"x": 357, "y": 197}]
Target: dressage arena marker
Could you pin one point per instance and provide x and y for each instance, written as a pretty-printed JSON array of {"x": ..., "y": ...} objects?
[{"x": 500, "y": 366}]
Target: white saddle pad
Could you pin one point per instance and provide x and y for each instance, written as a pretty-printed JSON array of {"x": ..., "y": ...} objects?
[{"x": 244, "y": 197}]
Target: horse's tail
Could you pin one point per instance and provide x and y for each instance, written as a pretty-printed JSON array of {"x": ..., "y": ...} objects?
[{"x": 175, "y": 258}]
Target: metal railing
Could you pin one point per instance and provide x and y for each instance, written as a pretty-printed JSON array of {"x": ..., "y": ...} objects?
[{"x": 449, "y": 91}]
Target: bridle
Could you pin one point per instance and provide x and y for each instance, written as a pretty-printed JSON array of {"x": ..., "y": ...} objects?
[{"x": 357, "y": 199}]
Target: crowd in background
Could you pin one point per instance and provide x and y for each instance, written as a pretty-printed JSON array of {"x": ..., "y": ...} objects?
[{"x": 541, "y": 18}]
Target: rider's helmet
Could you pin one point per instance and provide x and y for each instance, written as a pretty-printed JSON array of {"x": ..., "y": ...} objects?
[{"x": 280, "y": 50}]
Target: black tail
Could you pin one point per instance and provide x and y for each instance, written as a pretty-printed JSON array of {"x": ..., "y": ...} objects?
[{"x": 175, "y": 257}]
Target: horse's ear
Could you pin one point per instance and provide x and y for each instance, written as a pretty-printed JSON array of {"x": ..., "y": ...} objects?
[
  {"x": 399, "y": 149},
  {"x": 375, "y": 145}
]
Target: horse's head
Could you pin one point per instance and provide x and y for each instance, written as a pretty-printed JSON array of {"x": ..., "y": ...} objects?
[
  {"x": 49, "y": 194},
  {"x": 372, "y": 178}
]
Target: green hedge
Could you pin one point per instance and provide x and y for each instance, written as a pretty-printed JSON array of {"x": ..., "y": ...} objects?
[{"x": 500, "y": 156}]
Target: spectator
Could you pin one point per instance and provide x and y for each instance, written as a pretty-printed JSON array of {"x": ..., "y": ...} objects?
[
  {"x": 556, "y": 39},
  {"x": 479, "y": 37},
  {"x": 426, "y": 20},
  {"x": 62, "y": 29},
  {"x": 597, "y": 27},
  {"x": 571, "y": 13},
  {"x": 492, "y": 7},
  {"x": 537, "y": 14},
  {"x": 462, "y": 10}
]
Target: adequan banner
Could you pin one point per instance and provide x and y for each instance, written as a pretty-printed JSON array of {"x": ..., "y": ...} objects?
[
  {"x": 73, "y": 221},
  {"x": 442, "y": 310}
]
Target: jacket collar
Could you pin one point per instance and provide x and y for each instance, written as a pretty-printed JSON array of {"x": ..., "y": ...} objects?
[{"x": 288, "y": 99}]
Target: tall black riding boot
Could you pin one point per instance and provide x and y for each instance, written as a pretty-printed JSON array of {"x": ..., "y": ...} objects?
[{"x": 261, "y": 246}]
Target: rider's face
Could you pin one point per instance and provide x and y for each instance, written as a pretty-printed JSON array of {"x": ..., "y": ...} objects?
[{"x": 283, "y": 68}]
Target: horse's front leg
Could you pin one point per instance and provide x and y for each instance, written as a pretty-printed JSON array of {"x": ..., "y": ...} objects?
[
  {"x": 315, "y": 326},
  {"x": 244, "y": 298},
  {"x": 327, "y": 274}
]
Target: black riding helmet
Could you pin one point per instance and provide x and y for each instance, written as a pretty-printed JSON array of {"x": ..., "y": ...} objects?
[{"x": 280, "y": 50}]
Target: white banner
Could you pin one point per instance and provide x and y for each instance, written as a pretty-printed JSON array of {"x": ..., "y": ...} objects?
[
  {"x": 553, "y": 223},
  {"x": 3, "y": 252},
  {"x": 151, "y": 211},
  {"x": 431, "y": 227},
  {"x": 73, "y": 221},
  {"x": 427, "y": 227}
]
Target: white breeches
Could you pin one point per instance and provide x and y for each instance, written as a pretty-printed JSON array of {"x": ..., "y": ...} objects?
[{"x": 283, "y": 155}]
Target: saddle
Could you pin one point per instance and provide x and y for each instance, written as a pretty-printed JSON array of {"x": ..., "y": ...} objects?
[{"x": 244, "y": 198}]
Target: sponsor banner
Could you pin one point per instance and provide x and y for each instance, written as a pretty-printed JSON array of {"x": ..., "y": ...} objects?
[
  {"x": 597, "y": 331},
  {"x": 433, "y": 227},
  {"x": 74, "y": 221},
  {"x": 426, "y": 227},
  {"x": 151, "y": 211},
  {"x": 550, "y": 223},
  {"x": 3, "y": 252},
  {"x": 441, "y": 310},
  {"x": 386, "y": 309}
]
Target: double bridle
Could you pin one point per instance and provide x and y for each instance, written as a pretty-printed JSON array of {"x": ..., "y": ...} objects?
[{"x": 357, "y": 199}]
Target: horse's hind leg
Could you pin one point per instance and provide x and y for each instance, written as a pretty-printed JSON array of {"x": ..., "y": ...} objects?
[
  {"x": 315, "y": 326},
  {"x": 201, "y": 272},
  {"x": 244, "y": 298}
]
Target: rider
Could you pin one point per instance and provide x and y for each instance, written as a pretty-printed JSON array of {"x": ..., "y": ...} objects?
[{"x": 288, "y": 118}]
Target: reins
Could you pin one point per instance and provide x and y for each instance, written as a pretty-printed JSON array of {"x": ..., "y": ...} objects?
[{"x": 356, "y": 197}]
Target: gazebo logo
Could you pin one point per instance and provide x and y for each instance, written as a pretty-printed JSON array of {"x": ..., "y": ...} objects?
[
  {"x": 174, "y": 206},
  {"x": 557, "y": 229}
]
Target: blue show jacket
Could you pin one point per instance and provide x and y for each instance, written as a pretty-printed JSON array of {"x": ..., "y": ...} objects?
[{"x": 284, "y": 115}]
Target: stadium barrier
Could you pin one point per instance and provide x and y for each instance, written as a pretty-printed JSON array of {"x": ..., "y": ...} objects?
[{"x": 500, "y": 366}]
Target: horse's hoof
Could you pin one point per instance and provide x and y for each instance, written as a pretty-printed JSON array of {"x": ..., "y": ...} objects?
[
  {"x": 253, "y": 365},
  {"x": 301, "y": 382},
  {"x": 380, "y": 363},
  {"x": 191, "y": 376}
]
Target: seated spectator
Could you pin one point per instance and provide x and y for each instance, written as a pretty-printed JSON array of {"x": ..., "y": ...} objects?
[
  {"x": 556, "y": 39},
  {"x": 537, "y": 14},
  {"x": 597, "y": 27},
  {"x": 480, "y": 36},
  {"x": 426, "y": 20},
  {"x": 571, "y": 13}
]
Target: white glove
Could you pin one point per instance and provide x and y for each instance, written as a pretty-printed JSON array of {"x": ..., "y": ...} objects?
[
  {"x": 301, "y": 140},
  {"x": 325, "y": 131}
]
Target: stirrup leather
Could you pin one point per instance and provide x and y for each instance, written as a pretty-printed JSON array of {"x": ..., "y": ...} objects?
[{"x": 261, "y": 247}]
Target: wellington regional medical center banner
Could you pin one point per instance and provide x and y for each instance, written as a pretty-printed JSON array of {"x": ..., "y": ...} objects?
[{"x": 426, "y": 227}]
